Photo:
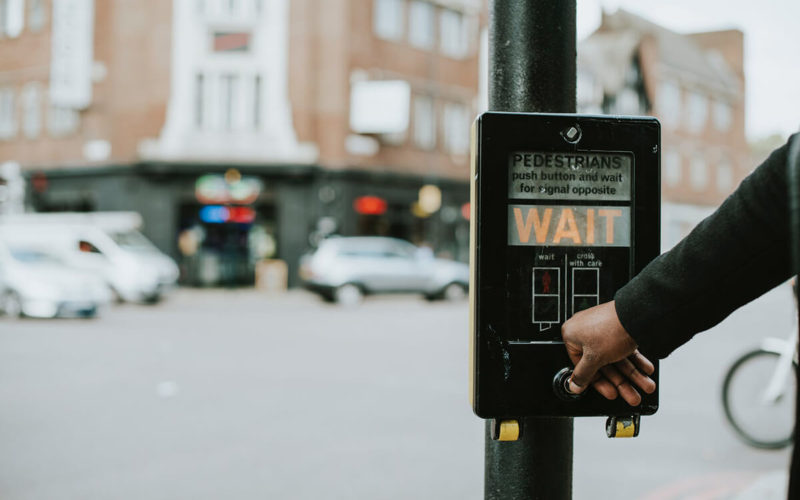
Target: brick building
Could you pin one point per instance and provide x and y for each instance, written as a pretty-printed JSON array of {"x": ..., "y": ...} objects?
[
  {"x": 252, "y": 126},
  {"x": 694, "y": 83}
]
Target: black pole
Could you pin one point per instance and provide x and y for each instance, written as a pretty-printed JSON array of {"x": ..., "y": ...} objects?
[
  {"x": 532, "y": 55},
  {"x": 793, "y": 177},
  {"x": 532, "y": 58}
]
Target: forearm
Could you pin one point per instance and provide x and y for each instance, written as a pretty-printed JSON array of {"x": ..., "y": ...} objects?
[{"x": 732, "y": 257}]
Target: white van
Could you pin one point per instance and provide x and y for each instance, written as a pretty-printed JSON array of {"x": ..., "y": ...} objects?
[
  {"x": 35, "y": 283},
  {"x": 106, "y": 243}
]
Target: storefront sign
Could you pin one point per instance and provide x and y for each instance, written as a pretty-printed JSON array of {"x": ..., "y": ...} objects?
[{"x": 214, "y": 189}]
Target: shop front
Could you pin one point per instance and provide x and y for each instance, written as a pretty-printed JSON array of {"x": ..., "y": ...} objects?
[
  {"x": 234, "y": 225},
  {"x": 223, "y": 225},
  {"x": 434, "y": 214},
  {"x": 226, "y": 230}
]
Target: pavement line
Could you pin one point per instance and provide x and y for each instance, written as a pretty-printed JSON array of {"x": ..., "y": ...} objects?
[{"x": 703, "y": 487}]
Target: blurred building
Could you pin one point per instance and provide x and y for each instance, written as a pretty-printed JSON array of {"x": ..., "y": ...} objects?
[
  {"x": 246, "y": 129},
  {"x": 694, "y": 83}
]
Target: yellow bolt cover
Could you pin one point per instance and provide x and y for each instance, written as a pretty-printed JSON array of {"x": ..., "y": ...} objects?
[
  {"x": 625, "y": 428},
  {"x": 509, "y": 430}
]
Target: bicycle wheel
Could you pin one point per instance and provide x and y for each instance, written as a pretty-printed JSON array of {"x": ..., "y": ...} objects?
[{"x": 758, "y": 422}]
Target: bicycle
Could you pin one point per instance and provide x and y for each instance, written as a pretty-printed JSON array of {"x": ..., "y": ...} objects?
[{"x": 759, "y": 392}]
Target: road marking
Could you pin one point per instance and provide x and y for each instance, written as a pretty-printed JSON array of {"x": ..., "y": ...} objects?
[{"x": 719, "y": 486}]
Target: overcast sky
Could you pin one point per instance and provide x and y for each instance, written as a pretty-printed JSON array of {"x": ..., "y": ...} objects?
[{"x": 772, "y": 47}]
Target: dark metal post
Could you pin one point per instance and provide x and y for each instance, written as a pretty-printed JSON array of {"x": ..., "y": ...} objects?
[
  {"x": 793, "y": 177},
  {"x": 532, "y": 58}
]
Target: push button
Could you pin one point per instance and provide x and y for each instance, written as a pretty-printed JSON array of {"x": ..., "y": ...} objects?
[{"x": 561, "y": 386}]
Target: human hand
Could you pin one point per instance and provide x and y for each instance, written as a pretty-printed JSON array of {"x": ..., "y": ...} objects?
[{"x": 605, "y": 356}]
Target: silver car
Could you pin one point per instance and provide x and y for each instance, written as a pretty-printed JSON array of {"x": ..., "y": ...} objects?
[{"x": 344, "y": 269}]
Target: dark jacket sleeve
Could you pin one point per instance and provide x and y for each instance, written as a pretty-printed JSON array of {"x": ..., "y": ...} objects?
[{"x": 736, "y": 254}]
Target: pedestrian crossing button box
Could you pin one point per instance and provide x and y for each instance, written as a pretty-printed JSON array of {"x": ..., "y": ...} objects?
[{"x": 564, "y": 212}]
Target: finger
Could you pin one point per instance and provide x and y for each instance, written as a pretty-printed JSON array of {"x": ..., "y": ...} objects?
[
  {"x": 605, "y": 388},
  {"x": 634, "y": 375},
  {"x": 642, "y": 363},
  {"x": 585, "y": 370},
  {"x": 626, "y": 390},
  {"x": 574, "y": 352}
]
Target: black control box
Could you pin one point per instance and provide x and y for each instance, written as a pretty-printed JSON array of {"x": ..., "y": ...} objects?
[{"x": 565, "y": 211}]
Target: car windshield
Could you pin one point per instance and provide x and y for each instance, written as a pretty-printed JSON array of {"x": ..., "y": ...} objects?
[
  {"x": 133, "y": 241},
  {"x": 33, "y": 256}
]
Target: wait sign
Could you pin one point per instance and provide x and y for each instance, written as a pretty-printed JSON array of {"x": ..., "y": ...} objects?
[{"x": 560, "y": 225}]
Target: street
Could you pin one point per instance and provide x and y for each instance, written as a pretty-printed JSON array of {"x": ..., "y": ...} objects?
[{"x": 238, "y": 394}]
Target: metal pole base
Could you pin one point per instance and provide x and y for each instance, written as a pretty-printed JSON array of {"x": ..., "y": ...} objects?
[{"x": 517, "y": 470}]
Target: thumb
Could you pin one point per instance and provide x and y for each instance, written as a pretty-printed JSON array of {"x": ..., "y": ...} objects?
[{"x": 584, "y": 373}]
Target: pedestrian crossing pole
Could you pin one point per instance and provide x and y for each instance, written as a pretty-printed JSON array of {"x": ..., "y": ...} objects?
[{"x": 532, "y": 57}]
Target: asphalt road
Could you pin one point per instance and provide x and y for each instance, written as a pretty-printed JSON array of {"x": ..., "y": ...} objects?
[{"x": 240, "y": 395}]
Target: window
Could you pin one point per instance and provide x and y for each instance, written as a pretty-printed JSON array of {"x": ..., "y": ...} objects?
[
  {"x": 8, "y": 114},
  {"x": 697, "y": 112},
  {"x": 453, "y": 32},
  {"x": 85, "y": 246},
  {"x": 632, "y": 75},
  {"x": 199, "y": 100},
  {"x": 226, "y": 9},
  {"x": 672, "y": 168},
  {"x": 12, "y": 17},
  {"x": 228, "y": 101},
  {"x": 698, "y": 175},
  {"x": 424, "y": 123},
  {"x": 456, "y": 128},
  {"x": 37, "y": 15},
  {"x": 62, "y": 121},
  {"x": 400, "y": 251},
  {"x": 388, "y": 19},
  {"x": 257, "y": 102},
  {"x": 589, "y": 93},
  {"x": 722, "y": 116},
  {"x": 227, "y": 41},
  {"x": 32, "y": 110},
  {"x": 628, "y": 102},
  {"x": 669, "y": 103},
  {"x": 724, "y": 176},
  {"x": 422, "y": 25}
]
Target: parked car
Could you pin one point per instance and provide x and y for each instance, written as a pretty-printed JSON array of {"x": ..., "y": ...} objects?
[
  {"x": 105, "y": 243},
  {"x": 35, "y": 283},
  {"x": 344, "y": 269}
]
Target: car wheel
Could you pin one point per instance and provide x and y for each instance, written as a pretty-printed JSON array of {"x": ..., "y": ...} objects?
[
  {"x": 348, "y": 295},
  {"x": 454, "y": 292},
  {"x": 11, "y": 305},
  {"x": 90, "y": 313},
  {"x": 152, "y": 299}
]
